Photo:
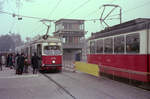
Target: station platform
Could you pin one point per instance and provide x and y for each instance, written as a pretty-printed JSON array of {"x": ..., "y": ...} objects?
[
  {"x": 27, "y": 86},
  {"x": 11, "y": 73}
]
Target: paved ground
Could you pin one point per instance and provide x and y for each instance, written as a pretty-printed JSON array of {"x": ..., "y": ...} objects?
[
  {"x": 28, "y": 86},
  {"x": 65, "y": 85},
  {"x": 84, "y": 86}
]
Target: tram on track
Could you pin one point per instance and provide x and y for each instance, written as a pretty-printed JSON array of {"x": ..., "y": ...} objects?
[
  {"x": 49, "y": 51},
  {"x": 123, "y": 50}
]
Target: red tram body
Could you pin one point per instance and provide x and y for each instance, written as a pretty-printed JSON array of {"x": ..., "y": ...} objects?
[
  {"x": 123, "y": 50},
  {"x": 49, "y": 51},
  {"x": 47, "y": 63}
]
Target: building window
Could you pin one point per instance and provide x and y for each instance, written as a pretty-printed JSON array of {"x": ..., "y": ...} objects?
[
  {"x": 108, "y": 45},
  {"x": 75, "y": 26},
  {"x": 76, "y": 40},
  {"x": 70, "y": 39},
  {"x": 64, "y": 40},
  {"x": 81, "y": 27},
  {"x": 70, "y": 26},
  {"x": 65, "y": 26},
  {"x": 99, "y": 45},
  {"x": 119, "y": 44},
  {"x": 133, "y": 43},
  {"x": 59, "y": 27}
]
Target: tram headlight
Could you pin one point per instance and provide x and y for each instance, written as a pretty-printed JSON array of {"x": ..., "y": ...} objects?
[{"x": 53, "y": 61}]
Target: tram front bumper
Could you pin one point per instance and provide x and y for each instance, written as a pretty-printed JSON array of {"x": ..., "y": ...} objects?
[{"x": 55, "y": 67}]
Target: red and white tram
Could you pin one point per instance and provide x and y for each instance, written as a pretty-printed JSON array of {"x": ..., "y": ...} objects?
[
  {"x": 123, "y": 50},
  {"x": 50, "y": 52}
]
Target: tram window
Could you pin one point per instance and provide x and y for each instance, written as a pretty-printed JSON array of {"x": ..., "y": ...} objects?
[
  {"x": 108, "y": 45},
  {"x": 52, "y": 48},
  {"x": 99, "y": 48},
  {"x": 92, "y": 47},
  {"x": 56, "y": 48},
  {"x": 132, "y": 43},
  {"x": 47, "y": 47},
  {"x": 119, "y": 44}
]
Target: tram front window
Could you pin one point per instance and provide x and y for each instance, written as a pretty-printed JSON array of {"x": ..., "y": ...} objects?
[{"x": 52, "y": 50}]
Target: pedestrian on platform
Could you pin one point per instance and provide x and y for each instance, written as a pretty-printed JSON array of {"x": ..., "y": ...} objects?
[
  {"x": 26, "y": 64},
  {"x": 17, "y": 63},
  {"x": 35, "y": 63},
  {"x": 1, "y": 63},
  {"x": 10, "y": 63},
  {"x": 13, "y": 60},
  {"x": 21, "y": 63},
  {"x": 7, "y": 58}
]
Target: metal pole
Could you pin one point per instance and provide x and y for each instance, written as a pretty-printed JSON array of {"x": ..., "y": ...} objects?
[
  {"x": 120, "y": 15},
  {"x": 48, "y": 27}
]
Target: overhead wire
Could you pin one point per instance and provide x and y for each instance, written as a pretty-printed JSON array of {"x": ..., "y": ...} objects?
[
  {"x": 112, "y": 1},
  {"x": 32, "y": 17},
  {"x": 36, "y": 28},
  {"x": 77, "y": 8},
  {"x": 145, "y": 4},
  {"x": 97, "y": 9},
  {"x": 139, "y": 6},
  {"x": 10, "y": 6},
  {"x": 18, "y": 3},
  {"x": 12, "y": 26},
  {"x": 54, "y": 9}
]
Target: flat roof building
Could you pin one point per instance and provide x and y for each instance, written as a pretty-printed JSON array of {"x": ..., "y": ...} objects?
[{"x": 72, "y": 33}]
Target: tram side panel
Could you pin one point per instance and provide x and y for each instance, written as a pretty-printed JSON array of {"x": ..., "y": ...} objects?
[
  {"x": 148, "y": 33},
  {"x": 128, "y": 65}
]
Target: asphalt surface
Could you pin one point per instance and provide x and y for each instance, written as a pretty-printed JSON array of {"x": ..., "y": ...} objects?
[
  {"x": 65, "y": 85},
  {"x": 84, "y": 86},
  {"x": 28, "y": 86}
]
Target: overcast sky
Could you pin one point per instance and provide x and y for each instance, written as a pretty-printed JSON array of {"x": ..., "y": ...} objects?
[{"x": 72, "y": 9}]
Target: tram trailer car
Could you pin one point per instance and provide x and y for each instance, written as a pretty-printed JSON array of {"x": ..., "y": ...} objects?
[
  {"x": 123, "y": 50},
  {"x": 49, "y": 51}
]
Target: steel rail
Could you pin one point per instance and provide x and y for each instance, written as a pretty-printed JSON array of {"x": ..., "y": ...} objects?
[{"x": 59, "y": 85}]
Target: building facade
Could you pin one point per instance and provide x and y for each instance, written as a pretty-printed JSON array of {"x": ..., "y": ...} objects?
[{"x": 72, "y": 34}]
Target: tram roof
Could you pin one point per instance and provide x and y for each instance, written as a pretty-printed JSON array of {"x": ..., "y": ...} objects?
[
  {"x": 130, "y": 26},
  {"x": 50, "y": 39}
]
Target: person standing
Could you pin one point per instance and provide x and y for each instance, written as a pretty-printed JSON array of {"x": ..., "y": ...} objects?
[
  {"x": 21, "y": 63},
  {"x": 17, "y": 63},
  {"x": 26, "y": 64},
  {"x": 10, "y": 63},
  {"x": 7, "y": 58},
  {"x": 3, "y": 60},
  {"x": 0, "y": 63},
  {"x": 35, "y": 63}
]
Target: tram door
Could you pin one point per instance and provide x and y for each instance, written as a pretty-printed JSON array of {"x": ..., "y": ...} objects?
[{"x": 39, "y": 50}]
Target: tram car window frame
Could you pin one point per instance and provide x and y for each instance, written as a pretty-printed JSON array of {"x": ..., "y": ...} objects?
[
  {"x": 119, "y": 44},
  {"x": 133, "y": 43},
  {"x": 108, "y": 45},
  {"x": 92, "y": 47},
  {"x": 100, "y": 46}
]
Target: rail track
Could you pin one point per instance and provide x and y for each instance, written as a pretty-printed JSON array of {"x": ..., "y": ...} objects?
[{"x": 60, "y": 86}]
